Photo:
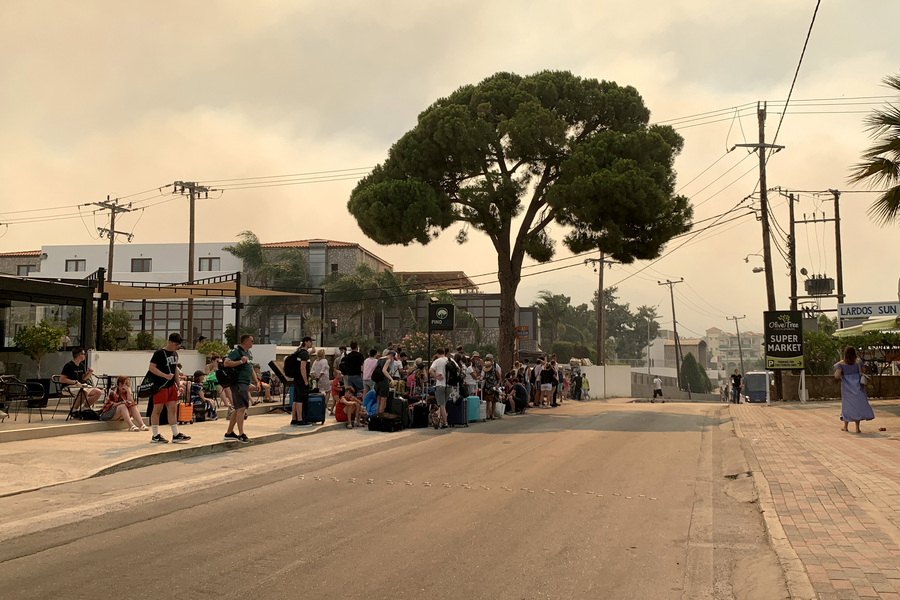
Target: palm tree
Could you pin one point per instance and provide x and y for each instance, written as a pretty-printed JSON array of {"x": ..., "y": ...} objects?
[
  {"x": 552, "y": 310},
  {"x": 881, "y": 162},
  {"x": 284, "y": 270}
]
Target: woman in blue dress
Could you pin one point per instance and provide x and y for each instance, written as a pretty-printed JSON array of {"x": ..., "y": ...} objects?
[{"x": 854, "y": 403}]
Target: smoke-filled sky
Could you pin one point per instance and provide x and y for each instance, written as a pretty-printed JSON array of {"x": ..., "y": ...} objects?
[{"x": 121, "y": 98}]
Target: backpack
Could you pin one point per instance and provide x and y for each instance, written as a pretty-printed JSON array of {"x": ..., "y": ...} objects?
[
  {"x": 292, "y": 365},
  {"x": 378, "y": 373},
  {"x": 452, "y": 370},
  {"x": 490, "y": 375},
  {"x": 530, "y": 375}
]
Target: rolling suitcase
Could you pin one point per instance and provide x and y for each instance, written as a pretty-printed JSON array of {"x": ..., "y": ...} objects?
[
  {"x": 400, "y": 407},
  {"x": 457, "y": 413},
  {"x": 314, "y": 409},
  {"x": 386, "y": 422},
  {"x": 419, "y": 416},
  {"x": 473, "y": 408},
  {"x": 185, "y": 413}
]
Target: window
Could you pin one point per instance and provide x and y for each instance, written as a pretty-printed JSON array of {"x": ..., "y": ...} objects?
[
  {"x": 334, "y": 267},
  {"x": 334, "y": 326},
  {"x": 75, "y": 264},
  {"x": 23, "y": 270},
  {"x": 210, "y": 263},
  {"x": 140, "y": 265}
]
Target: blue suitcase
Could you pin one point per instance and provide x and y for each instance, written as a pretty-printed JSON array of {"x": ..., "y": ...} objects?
[
  {"x": 314, "y": 409},
  {"x": 472, "y": 408}
]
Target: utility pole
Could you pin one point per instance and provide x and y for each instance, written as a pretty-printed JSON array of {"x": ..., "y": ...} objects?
[
  {"x": 792, "y": 253},
  {"x": 601, "y": 308},
  {"x": 671, "y": 285},
  {"x": 114, "y": 208},
  {"x": 839, "y": 263},
  {"x": 193, "y": 190},
  {"x": 761, "y": 148},
  {"x": 738, "y": 329}
]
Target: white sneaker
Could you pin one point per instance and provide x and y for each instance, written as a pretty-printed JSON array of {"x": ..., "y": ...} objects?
[{"x": 4, "y": 415}]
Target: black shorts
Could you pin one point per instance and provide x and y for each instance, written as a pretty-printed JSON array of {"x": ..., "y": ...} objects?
[
  {"x": 657, "y": 394},
  {"x": 240, "y": 395},
  {"x": 382, "y": 388}
]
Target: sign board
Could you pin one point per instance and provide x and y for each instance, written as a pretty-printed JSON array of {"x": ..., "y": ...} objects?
[
  {"x": 522, "y": 332},
  {"x": 784, "y": 339},
  {"x": 857, "y": 312},
  {"x": 440, "y": 317}
]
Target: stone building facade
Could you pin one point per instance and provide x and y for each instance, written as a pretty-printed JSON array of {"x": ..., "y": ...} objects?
[{"x": 20, "y": 263}]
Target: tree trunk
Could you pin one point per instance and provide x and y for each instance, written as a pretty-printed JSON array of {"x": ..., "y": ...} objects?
[{"x": 509, "y": 283}]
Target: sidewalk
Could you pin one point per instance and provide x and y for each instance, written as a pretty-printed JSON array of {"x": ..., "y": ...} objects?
[
  {"x": 35, "y": 463},
  {"x": 830, "y": 499}
]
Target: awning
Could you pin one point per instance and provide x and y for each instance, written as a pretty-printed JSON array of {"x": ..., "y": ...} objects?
[
  {"x": 878, "y": 324},
  {"x": 182, "y": 291}
]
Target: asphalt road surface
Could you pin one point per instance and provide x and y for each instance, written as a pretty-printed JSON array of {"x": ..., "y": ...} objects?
[{"x": 589, "y": 500}]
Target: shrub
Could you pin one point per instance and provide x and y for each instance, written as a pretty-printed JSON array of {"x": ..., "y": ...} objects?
[
  {"x": 563, "y": 351},
  {"x": 38, "y": 341}
]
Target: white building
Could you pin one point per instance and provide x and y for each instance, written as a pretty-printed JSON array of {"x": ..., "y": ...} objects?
[{"x": 150, "y": 263}]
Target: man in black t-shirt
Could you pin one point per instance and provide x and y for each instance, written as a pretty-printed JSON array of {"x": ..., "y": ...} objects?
[
  {"x": 76, "y": 377},
  {"x": 301, "y": 383},
  {"x": 736, "y": 387},
  {"x": 352, "y": 366},
  {"x": 164, "y": 371}
]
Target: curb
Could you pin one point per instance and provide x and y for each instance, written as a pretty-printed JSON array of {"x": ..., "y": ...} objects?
[
  {"x": 796, "y": 577},
  {"x": 182, "y": 453}
]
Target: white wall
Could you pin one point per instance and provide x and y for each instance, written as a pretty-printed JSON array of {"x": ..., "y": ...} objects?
[
  {"x": 169, "y": 261},
  {"x": 134, "y": 363},
  {"x": 618, "y": 381}
]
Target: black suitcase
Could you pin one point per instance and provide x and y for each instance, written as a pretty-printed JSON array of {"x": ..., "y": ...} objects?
[
  {"x": 419, "y": 416},
  {"x": 385, "y": 422},
  {"x": 199, "y": 412},
  {"x": 457, "y": 413},
  {"x": 314, "y": 409},
  {"x": 397, "y": 405}
]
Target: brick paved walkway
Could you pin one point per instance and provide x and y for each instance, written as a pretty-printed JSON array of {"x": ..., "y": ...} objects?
[{"x": 836, "y": 494}]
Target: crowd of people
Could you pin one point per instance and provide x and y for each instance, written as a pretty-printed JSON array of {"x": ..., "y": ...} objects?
[{"x": 355, "y": 385}]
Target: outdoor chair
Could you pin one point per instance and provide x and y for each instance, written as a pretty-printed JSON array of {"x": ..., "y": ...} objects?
[
  {"x": 64, "y": 391},
  {"x": 285, "y": 384},
  {"x": 17, "y": 393}
]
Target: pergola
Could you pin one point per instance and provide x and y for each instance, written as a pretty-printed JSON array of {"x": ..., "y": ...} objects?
[{"x": 212, "y": 288}]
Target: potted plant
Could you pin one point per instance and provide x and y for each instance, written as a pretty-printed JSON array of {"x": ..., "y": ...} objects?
[{"x": 35, "y": 343}]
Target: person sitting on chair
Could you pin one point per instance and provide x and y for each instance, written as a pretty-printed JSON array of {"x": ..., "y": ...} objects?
[
  {"x": 261, "y": 385},
  {"x": 77, "y": 379}
]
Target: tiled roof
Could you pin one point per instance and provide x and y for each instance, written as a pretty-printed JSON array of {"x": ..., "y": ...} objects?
[
  {"x": 21, "y": 253},
  {"x": 328, "y": 243},
  {"x": 433, "y": 280},
  {"x": 305, "y": 244}
]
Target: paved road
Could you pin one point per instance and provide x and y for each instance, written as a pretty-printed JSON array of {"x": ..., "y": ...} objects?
[{"x": 585, "y": 501}]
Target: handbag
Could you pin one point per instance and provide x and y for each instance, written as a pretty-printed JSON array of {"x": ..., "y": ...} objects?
[
  {"x": 863, "y": 379},
  {"x": 148, "y": 386}
]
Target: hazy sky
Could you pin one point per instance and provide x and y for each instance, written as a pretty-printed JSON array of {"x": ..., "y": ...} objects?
[{"x": 116, "y": 98}]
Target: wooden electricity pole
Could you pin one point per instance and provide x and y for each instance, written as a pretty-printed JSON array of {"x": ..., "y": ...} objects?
[
  {"x": 761, "y": 148},
  {"x": 114, "y": 208}
]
